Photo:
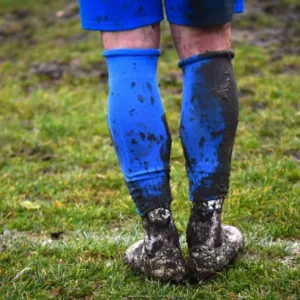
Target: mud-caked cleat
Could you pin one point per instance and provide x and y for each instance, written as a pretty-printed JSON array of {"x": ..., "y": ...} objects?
[
  {"x": 212, "y": 246},
  {"x": 158, "y": 255}
]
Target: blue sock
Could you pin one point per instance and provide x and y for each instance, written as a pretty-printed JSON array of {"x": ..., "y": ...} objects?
[
  {"x": 209, "y": 118},
  {"x": 138, "y": 126}
]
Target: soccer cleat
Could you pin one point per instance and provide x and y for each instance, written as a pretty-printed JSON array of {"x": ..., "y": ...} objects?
[
  {"x": 158, "y": 255},
  {"x": 212, "y": 246}
]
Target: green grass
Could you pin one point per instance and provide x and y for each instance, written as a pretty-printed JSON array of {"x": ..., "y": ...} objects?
[{"x": 59, "y": 172}]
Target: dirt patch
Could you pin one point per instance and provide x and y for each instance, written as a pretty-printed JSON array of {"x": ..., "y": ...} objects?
[
  {"x": 290, "y": 260},
  {"x": 20, "y": 24},
  {"x": 75, "y": 38},
  {"x": 12, "y": 239},
  {"x": 17, "y": 30},
  {"x": 19, "y": 14},
  {"x": 294, "y": 154},
  {"x": 70, "y": 11},
  {"x": 53, "y": 69},
  {"x": 269, "y": 23},
  {"x": 260, "y": 37},
  {"x": 35, "y": 153},
  {"x": 259, "y": 106},
  {"x": 293, "y": 247},
  {"x": 77, "y": 69}
]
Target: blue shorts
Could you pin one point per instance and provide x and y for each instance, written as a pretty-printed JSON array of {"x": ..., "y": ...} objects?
[{"x": 119, "y": 15}]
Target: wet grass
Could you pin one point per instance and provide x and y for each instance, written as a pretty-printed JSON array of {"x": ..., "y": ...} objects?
[{"x": 59, "y": 173}]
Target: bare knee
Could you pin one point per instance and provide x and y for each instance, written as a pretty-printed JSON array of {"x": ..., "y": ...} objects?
[
  {"x": 190, "y": 41},
  {"x": 143, "y": 37}
]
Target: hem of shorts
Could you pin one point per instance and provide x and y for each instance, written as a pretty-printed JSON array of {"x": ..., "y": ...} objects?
[
  {"x": 95, "y": 26},
  {"x": 220, "y": 19}
]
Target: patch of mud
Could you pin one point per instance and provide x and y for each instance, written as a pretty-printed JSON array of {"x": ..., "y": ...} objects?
[
  {"x": 292, "y": 247},
  {"x": 295, "y": 154},
  {"x": 19, "y": 14},
  {"x": 252, "y": 27},
  {"x": 260, "y": 37},
  {"x": 17, "y": 30},
  {"x": 259, "y": 106},
  {"x": 77, "y": 69},
  {"x": 36, "y": 153},
  {"x": 75, "y": 38},
  {"x": 11, "y": 239},
  {"x": 20, "y": 24},
  {"x": 246, "y": 91},
  {"x": 172, "y": 78},
  {"x": 70, "y": 11},
  {"x": 54, "y": 70}
]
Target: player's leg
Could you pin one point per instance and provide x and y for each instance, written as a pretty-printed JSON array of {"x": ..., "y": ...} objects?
[
  {"x": 209, "y": 119},
  {"x": 190, "y": 41},
  {"x": 146, "y": 37},
  {"x": 142, "y": 142},
  {"x": 139, "y": 130}
]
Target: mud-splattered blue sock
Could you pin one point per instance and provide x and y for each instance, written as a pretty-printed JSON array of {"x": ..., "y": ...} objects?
[
  {"x": 209, "y": 119},
  {"x": 138, "y": 126}
]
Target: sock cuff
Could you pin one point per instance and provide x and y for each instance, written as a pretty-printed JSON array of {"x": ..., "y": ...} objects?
[
  {"x": 131, "y": 52},
  {"x": 210, "y": 54},
  {"x": 131, "y": 63}
]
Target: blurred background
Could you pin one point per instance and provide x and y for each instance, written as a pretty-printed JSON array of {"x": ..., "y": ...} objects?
[{"x": 65, "y": 214}]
